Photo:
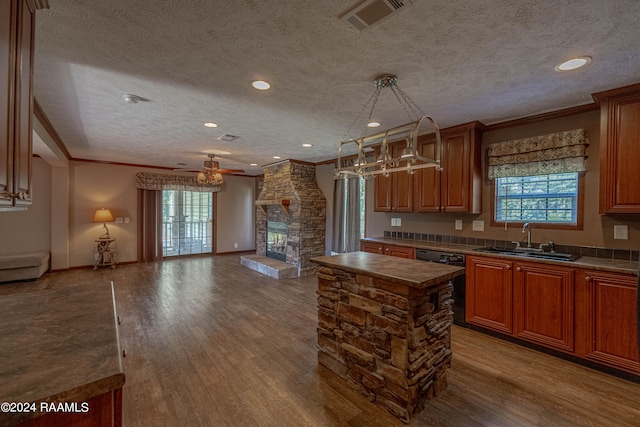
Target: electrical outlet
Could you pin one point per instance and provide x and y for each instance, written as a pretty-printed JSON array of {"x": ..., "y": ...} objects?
[
  {"x": 478, "y": 226},
  {"x": 621, "y": 232},
  {"x": 458, "y": 224},
  {"x": 235, "y": 245},
  {"x": 119, "y": 220},
  {"x": 96, "y": 257},
  {"x": 396, "y": 222},
  {"x": 126, "y": 220}
]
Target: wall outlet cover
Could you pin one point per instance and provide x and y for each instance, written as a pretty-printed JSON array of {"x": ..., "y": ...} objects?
[
  {"x": 119, "y": 220},
  {"x": 621, "y": 232},
  {"x": 458, "y": 224},
  {"x": 478, "y": 226}
]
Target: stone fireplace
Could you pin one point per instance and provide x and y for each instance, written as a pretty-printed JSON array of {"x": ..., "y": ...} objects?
[{"x": 290, "y": 197}]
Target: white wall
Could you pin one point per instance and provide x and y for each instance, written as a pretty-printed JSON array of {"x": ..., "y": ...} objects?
[
  {"x": 30, "y": 230},
  {"x": 235, "y": 215}
]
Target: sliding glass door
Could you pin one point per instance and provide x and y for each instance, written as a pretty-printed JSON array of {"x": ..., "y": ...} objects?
[{"x": 187, "y": 222}]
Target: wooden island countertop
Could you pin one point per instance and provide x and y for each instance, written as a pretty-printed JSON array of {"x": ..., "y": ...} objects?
[
  {"x": 409, "y": 272},
  {"x": 59, "y": 346}
]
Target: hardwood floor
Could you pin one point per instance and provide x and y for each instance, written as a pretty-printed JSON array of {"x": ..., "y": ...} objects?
[{"x": 211, "y": 343}]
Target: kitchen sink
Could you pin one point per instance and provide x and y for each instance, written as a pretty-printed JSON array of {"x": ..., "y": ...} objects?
[{"x": 530, "y": 254}]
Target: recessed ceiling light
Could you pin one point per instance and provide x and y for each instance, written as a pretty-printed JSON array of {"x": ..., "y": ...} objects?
[
  {"x": 307, "y": 145},
  {"x": 260, "y": 85},
  {"x": 277, "y": 157},
  {"x": 253, "y": 164},
  {"x": 573, "y": 63},
  {"x": 211, "y": 125},
  {"x": 373, "y": 124}
]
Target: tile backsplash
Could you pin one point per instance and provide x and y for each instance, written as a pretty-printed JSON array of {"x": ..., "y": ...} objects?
[{"x": 588, "y": 251}]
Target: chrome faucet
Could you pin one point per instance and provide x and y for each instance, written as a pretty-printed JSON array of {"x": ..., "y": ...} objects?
[{"x": 526, "y": 228}]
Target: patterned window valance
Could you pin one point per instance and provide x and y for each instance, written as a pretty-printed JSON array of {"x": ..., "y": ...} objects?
[
  {"x": 560, "y": 152},
  {"x": 156, "y": 181}
]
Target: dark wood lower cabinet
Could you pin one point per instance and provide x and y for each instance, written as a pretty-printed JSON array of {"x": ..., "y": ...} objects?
[
  {"x": 611, "y": 320},
  {"x": 544, "y": 305},
  {"x": 588, "y": 314},
  {"x": 392, "y": 250},
  {"x": 104, "y": 410},
  {"x": 489, "y": 298}
]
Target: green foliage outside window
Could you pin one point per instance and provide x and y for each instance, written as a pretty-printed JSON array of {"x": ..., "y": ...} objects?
[{"x": 542, "y": 198}]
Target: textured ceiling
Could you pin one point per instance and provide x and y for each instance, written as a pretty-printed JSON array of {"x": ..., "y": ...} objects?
[{"x": 192, "y": 62}]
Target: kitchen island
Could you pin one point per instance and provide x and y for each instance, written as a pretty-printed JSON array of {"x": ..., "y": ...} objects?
[
  {"x": 384, "y": 326},
  {"x": 61, "y": 357}
]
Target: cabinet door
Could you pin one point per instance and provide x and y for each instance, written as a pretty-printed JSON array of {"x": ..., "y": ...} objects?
[
  {"x": 619, "y": 154},
  {"x": 402, "y": 185},
  {"x": 543, "y": 305},
  {"x": 24, "y": 106},
  {"x": 612, "y": 330},
  {"x": 400, "y": 251},
  {"x": 382, "y": 193},
  {"x": 372, "y": 247},
  {"x": 394, "y": 193},
  {"x": 461, "y": 175},
  {"x": 427, "y": 181},
  {"x": 489, "y": 301},
  {"x": 7, "y": 85}
]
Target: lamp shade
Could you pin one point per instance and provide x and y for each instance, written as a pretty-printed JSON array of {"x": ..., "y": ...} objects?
[{"x": 103, "y": 215}]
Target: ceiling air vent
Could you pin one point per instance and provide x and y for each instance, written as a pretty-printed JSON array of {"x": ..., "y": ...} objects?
[
  {"x": 227, "y": 137},
  {"x": 367, "y": 13}
]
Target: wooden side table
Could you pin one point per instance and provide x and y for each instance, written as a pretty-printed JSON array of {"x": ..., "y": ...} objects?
[{"x": 106, "y": 255}]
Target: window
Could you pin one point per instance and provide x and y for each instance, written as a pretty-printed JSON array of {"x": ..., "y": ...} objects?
[
  {"x": 186, "y": 222},
  {"x": 551, "y": 199}
]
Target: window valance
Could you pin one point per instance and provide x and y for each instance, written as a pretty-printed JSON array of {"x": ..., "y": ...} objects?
[
  {"x": 156, "y": 181},
  {"x": 560, "y": 152}
]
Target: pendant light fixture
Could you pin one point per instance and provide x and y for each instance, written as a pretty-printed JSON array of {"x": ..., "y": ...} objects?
[{"x": 385, "y": 163}]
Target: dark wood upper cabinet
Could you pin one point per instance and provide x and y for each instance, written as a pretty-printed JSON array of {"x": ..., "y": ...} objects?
[
  {"x": 456, "y": 188},
  {"x": 619, "y": 150},
  {"x": 17, "y": 25},
  {"x": 394, "y": 193}
]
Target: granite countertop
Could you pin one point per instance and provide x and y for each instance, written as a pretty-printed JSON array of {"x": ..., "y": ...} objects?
[
  {"x": 592, "y": 263},
  {"x": 409, "y": 272},
  {"x": 58, "y": 345}
]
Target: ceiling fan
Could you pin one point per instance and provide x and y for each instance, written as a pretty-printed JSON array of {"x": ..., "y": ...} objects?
[{"x": 211, "y": 172}]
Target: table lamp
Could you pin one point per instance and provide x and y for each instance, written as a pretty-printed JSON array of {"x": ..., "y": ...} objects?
[{"x": 103, "y": 215}]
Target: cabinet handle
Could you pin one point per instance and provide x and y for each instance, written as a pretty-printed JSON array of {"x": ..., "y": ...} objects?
[
  {"x": 518, "y": 268},
  {"x": 587, "y": 278},
  {"x": 507, "y": 267}
]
